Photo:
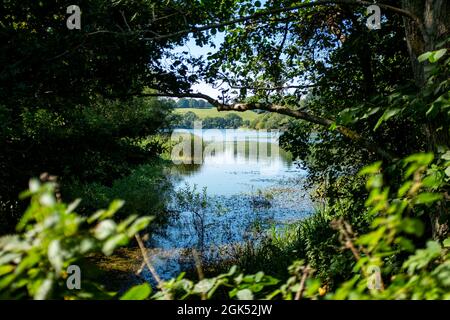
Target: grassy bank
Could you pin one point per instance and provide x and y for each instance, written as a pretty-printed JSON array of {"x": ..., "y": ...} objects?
[
  {"x": 311, "y": 239},
  {"x": 204, "y": 113}
]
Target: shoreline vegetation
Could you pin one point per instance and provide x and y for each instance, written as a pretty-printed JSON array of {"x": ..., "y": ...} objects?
[
  {"x": 122, "y": 272},
  {"x": 214, "y": 119},
  {"x": 87, "y": 105}
]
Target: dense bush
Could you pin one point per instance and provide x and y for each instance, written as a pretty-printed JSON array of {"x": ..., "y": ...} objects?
[
  {"x": 146, "y": 190},
  {"x": 51, "y": 237},
  {"x": 386, "y": 263},
  {"x": 98, "y": 143},
  {"x": 72, "y": 106},
  {"x": 70, "y": 101}
]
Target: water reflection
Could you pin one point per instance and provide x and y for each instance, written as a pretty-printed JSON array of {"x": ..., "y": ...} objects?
[
  {"x": 250, "y": 188},
  {"x": 234, "y": 161}
]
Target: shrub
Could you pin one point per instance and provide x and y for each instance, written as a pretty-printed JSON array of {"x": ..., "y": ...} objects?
[{"x": 51, "y": 237}]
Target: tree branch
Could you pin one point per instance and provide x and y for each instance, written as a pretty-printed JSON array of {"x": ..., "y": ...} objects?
[
  {"x": 273, "y": 11},
  {"x": 274, "y": 88},
  {"x": 298, "y": 114}
]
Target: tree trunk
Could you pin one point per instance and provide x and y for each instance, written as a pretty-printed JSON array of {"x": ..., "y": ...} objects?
[
  {"x": 434, "y": 15},
  {"x": 435, "y": 18}
]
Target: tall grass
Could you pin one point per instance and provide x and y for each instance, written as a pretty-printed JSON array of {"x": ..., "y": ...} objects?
[{"x": 311, "y": 239}]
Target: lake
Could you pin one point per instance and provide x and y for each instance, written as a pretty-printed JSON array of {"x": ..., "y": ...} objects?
[{"x": 236, "y": 187}]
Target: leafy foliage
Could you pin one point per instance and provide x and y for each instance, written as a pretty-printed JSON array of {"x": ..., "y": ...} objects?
[
  {"x": 72, "y": 105},
  {"x": 33, "y": 263},
  {"x": 228, "y": 121}
]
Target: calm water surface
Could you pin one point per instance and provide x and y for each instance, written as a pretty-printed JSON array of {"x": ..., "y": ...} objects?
[{"x": 251, "y": 187}]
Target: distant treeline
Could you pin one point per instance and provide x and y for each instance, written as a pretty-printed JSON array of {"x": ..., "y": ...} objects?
[
  {"x": 193, "y": 103},
  {"x": 269, "y": 120},
  {"x": 229, "y": 121}
]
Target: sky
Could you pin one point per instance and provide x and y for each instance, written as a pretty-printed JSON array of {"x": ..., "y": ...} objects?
[{"x": 197, "y": 51}]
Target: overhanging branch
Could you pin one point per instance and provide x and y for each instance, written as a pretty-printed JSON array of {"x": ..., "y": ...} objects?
[
  {"x": 273, "y": 11},
  {"x": 264, "y": 13},
  {"x": 297, "y": 114},
  {"x": 275, "y": 88}
]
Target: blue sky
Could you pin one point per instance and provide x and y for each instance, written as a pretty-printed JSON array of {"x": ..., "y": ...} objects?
[{"x": 197, "y": 51}]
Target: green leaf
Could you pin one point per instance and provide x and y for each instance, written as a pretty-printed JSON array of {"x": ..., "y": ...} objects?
[
  {"x": 432, "y": 181},
  {"x": 436, "y": 55},
  {"x": 73, "y": 205},
  {"x": 233, "y": 269},
  {"x": 386, "y": 116},
  {"x": 139, "y": 292},
  {"x": 7, "y": 258},
  {"x": 446, "y": 156},
  {"x": 139, "y": 225},
  {"x": 87, "y": 245},
  {"x": 412, "y": 226},
  {"x": 333, "y": 126},
  {"x": 116, "y": 241},
  {"x": 204, "y": 285},
  {"x": 55, "y": 255},
  {"x": 347, "y": 116},
  {"x": 424, "y": 56},
  {"x": 259, "y": 276},
  {"x": 105, "y": 229},
  {"x": 404, "y": 188},
  {"x": 105, "y": 214},
  {"x": 420, "y": 158},
  {"x": 44, "y": 290},
  {"x": 6, "y": 281},
  {"x": 446, "y": 243},
  {"x": 6, "y": 269},
  {"x": 370, "y": 112},
  {"x": 428, "y": 197},
  {"x": 447, "y": 171},
  {"x": 244, "y": 294},
  {"x": 432, "y": 111},
  {"x": 371, "y": 168},
  {"x": 123, "y": 225},
  {"x": 423, "y": 257}
]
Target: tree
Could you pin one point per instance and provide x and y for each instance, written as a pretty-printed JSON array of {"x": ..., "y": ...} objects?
[
  {"x": 183, "y": 103},
  {"x": 69, "y": 102},
  {"x": 273, "y": 56},
  {"x": 356, "y": 78}
]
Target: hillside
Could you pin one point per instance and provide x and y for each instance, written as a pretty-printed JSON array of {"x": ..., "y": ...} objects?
[{"x": 203, "y": 113}]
